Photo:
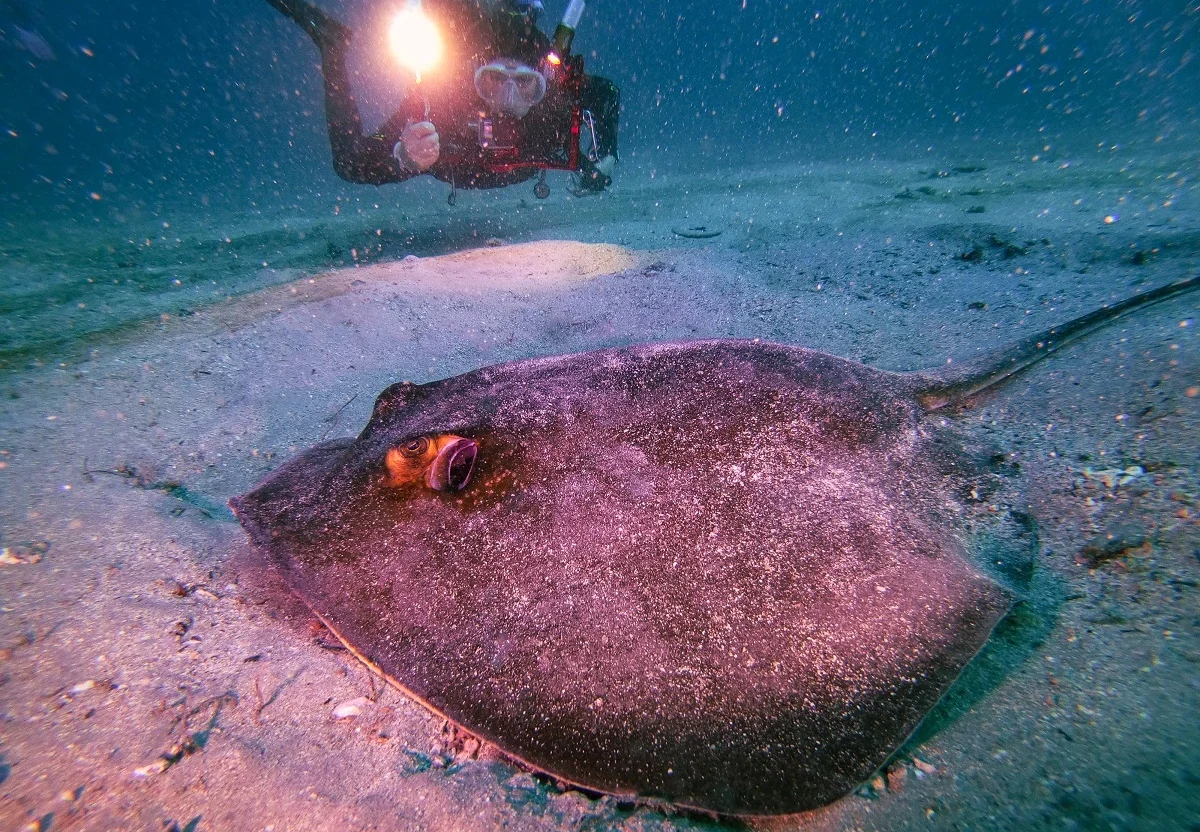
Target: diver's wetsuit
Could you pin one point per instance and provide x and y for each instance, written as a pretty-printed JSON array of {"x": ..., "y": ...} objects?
[{"x": 474, "y": 36}]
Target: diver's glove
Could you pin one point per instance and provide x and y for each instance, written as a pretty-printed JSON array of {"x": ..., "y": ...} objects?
[
  {"x": 418, "y": 148},
  {"x": 594, "y": 177}
]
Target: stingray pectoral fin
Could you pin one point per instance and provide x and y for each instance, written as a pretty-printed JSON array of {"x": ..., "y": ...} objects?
[
  {"x": 935, "y": 390},
  {"x": 286, "y": 486}
]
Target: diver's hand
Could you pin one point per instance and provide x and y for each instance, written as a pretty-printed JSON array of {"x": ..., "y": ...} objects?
[{"x": 419, "y": 147}]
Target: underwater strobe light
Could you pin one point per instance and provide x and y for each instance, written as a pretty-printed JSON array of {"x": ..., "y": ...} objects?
[{"x": 415, "y": 39}]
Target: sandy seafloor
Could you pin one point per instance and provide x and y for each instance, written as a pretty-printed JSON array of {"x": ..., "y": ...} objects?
[{"x": 154, "y": 368}]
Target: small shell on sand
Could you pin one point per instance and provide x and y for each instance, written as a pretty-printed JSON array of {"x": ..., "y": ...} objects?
[
  {"x": 350, "y": 708},
  {"x": 157, "y": 767}
]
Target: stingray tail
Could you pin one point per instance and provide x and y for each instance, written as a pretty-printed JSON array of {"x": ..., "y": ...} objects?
[{"x": 936, "y": 390}]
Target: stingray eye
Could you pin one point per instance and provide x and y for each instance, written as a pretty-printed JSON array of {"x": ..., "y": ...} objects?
[
  {"x": 444, "y": 462},
  {"x": 415, "y": 447}
]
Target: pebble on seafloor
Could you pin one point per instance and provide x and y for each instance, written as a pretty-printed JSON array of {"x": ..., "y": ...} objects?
[
  {"x": 24, "y": 553},
  {"x": 897, "y": 773}
]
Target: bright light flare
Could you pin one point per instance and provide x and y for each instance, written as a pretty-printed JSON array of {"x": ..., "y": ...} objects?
[{"x": 415, "y": 40}]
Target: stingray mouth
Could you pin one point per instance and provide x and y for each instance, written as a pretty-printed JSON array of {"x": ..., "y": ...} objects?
[{"x": 452, "y": 468}]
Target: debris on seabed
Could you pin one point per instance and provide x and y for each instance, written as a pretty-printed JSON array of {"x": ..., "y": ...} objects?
[
  {"x": 1114, "y": 477},
  {"x": 8, "y": 558},
  {"x": 1112, "y": 545},
  {"x": 24, "y": 553},
  {"x": 897, "y": 774},
  {"x": 186, "y": 747},
  {"x": 42, "y": 824},
  {"x": 191, "y": 742},
  {"x": 924, "y": 767},
  {"x": 697, "y": 232}
]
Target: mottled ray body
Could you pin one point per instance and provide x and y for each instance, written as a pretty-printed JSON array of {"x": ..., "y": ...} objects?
[{"x": 731, "y": 575}]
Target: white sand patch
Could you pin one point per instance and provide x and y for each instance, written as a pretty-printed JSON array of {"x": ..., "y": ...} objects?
[{"x": 544, "y": 265}]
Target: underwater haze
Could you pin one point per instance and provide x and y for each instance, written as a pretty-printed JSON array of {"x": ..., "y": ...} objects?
[
  {"x": 154, "y": 107},
  {"x": 190, "y": 296},
  {"x": 143, "y": 124}
]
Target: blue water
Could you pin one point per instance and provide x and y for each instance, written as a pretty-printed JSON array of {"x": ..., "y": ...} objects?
[
  {"x": 161, "y": 144},
  {"x": 152, "y": 104}
]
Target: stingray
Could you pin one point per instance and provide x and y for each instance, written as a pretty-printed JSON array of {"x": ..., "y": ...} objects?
[{"x": 731, "y": 575}]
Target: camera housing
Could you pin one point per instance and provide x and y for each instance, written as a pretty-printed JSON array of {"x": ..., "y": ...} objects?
[{"x": 498, "y": 133}]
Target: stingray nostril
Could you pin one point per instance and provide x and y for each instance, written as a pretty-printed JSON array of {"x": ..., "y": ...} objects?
[{"x": 462, "y": 463}]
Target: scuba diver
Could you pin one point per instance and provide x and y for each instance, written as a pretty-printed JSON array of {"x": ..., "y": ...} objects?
[{"x": 506, "y": 103}]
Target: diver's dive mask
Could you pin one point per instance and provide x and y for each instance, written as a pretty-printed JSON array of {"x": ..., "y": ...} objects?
[{"x": 510, "y": 87}]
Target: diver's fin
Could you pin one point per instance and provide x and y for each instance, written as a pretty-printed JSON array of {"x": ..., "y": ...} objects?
[
  {"x": 935, "y": 390},
  {"x": 325, "y": 32},
  {"x": 34, "y": 43}
]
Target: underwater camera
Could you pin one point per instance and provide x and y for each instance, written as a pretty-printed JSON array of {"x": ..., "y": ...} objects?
[{"x": 498, "y": 133}]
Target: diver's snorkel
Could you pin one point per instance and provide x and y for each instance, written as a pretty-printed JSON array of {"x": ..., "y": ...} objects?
[{"x": 564, "y": 33}]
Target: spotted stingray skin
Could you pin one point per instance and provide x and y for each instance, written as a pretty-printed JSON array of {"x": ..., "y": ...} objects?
[{"x": 727, "y": 574}]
